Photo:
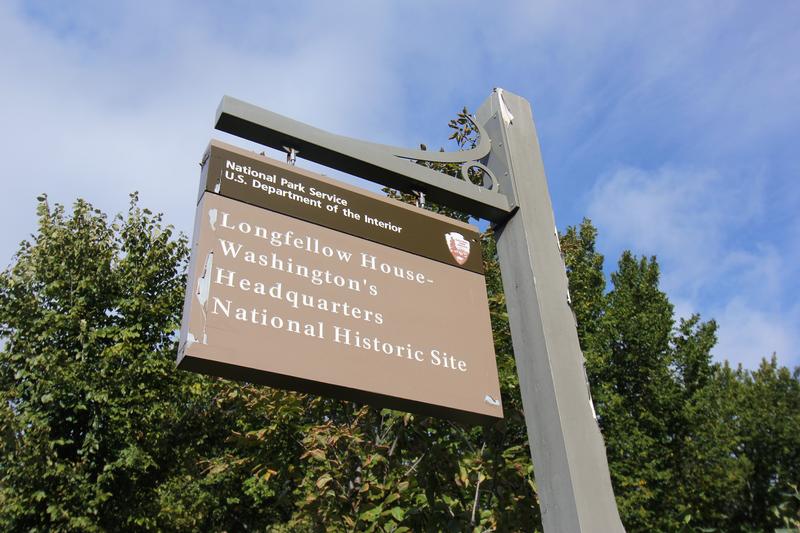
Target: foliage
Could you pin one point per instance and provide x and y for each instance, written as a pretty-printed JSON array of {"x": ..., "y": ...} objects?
[
  {"x": 98, "y": 431},
  {"x": 691, "y": 444},
  {"x": 90, "y": 400}
]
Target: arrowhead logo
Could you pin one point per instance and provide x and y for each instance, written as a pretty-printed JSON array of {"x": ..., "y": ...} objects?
[{"x": 458, "y": 246}]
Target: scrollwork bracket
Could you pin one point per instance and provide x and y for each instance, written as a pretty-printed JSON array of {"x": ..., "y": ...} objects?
[{"x": 391, "y": 166}]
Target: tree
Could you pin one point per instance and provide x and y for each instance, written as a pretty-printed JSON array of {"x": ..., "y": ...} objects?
[
  {"x": 691, "y": 443},
  {"x": 769, "y": 427},
  {"x": 91, "y": 405}
]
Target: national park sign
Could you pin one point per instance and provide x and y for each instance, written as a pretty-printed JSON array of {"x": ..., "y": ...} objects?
[{"x": 302, "y": 282}]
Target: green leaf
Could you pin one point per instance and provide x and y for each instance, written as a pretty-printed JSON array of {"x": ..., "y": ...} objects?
[
  {"x": 323, "y": 480},
  {"x": 317, "y": 454},
  {"x": 371, "y": 515}
]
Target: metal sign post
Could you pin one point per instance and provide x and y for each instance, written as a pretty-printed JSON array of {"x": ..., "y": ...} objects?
[
  {"x": 569, "y": 455},
  {"x": 566, "y": 444}
]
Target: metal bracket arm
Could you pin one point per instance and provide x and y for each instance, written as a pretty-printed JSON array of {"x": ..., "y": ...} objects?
[{"x": 390, "y": 166}]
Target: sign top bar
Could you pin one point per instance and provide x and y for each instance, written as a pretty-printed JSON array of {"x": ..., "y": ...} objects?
[{"x": 278, "y": 187}]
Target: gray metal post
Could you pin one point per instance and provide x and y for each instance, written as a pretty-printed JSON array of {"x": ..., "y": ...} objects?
[{"x": 568, "y": 451}]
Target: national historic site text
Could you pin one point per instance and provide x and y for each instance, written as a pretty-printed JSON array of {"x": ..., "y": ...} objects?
[{"x": 276, "y": 295}]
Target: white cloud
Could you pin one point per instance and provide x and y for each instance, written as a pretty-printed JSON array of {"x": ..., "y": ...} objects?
[
  {"x": 747, "y": 334},
  {"x": 691, "y": 220},
  {"x": 127, "y": 102},
  {"x": 681, "y": 215}
]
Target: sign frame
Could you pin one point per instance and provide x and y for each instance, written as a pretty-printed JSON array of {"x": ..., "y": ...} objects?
[{"x": 420, "y": 310}]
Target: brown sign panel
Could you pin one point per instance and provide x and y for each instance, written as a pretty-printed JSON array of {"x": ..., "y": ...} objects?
[
  {"x": 264, "y": 182},
  {"x": 284, "y": 302}
]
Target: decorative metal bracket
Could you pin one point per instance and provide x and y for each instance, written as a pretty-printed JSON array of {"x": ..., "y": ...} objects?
[{"x": 388, "y": 165}]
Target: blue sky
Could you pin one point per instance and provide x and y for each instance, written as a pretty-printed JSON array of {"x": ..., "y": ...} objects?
[{"x": 673, "y": 125}]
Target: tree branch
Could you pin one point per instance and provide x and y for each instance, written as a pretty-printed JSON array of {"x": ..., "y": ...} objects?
[{"x": 477, "y": 490}]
